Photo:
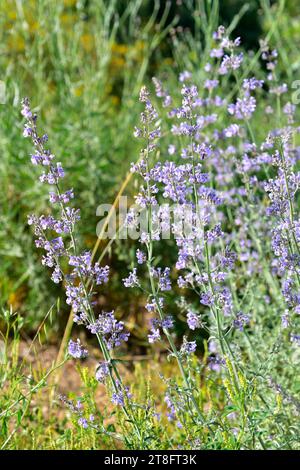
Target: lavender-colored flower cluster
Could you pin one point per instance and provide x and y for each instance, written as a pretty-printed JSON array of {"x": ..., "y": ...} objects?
[
  {"x": 77, "y": 409},
  {"x": 57, "y": 237},
  {"x": 111, "y": 330}
]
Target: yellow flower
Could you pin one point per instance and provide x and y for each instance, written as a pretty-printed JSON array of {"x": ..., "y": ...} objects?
[
  {"x": 139, "y": 45},
  {"x": 117, "y": 62},
  {"x": 87, "y": 41},
  {"x": 68, "y": 19},
  {"x": 70, "y": 3},
  {"x": 16, "y": 43},
  {"x": 168, "y": 61},
  {"x": 115, "y": 100},
  {"x": 16, "y": 298},
  {"x": 11, "y": 15},
  {"x": 77, "y": 91},
  {"x": 119, "y": 48},
  {"x": 33, "y": 26}
]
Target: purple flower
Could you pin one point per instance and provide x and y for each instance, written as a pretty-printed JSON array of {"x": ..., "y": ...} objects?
[
  {"x": 151, "y": 306},
  {"x": 132, "y": 279},
  {"x": 171, "y": 149},
  {"x": 141, "y": 257},
  {"x": 185, "y": 76},
  {"x": 243, "y": 108},
  {"x": 120, "y": 395},
  {"x": 188, "y": 347},
  {"x": 295, "y": 339},
  {"x": 100, "y": 274},
  {"x": 154, "y": 336},
  {"x": 171, "y": 408},
  {"x": 57, "y": 275},
  {"x": 25, "y": 109},
  {"x": 162, "y": 93},
  {"x": 230, "y": 63},
  {"x": 163, "y": 277},
  {"x": 27, "y": 132},
  {"x": 167, "y": 322},
  {"x": 252, "y": 83},
  {"x": 217, "y": 53},
  {"x": 285, "y": 320},
  {"x": 111, "y": 330},
  {"x": 83, "y": 423},
  {"x": 228, "y": 259},
  {"x": 232, "y": 130},
  {"x": 64, "y": 197},
  {"x": 211, "y": 84},
  {"x": 215, "y": 363},
  {"x": 241, "y": 321},
  {"x": 76, "y": 350},
  {"x": 102, "y": 372},
  {"x": 54, "y": 175},
  {"x": 206, "y": 299},
  {"x": 193, "y": 320},
  {"x": 76, "y": 298}
]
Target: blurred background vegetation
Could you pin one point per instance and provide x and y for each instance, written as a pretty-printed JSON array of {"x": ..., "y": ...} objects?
[{"x": 82, "y": 63}]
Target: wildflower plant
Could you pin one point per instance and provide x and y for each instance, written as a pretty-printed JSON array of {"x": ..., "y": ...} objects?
[
  {"x": 200, "y": 174},
  {"x": 205, "y": 178},
  {"x": 84, "y": 275}
]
